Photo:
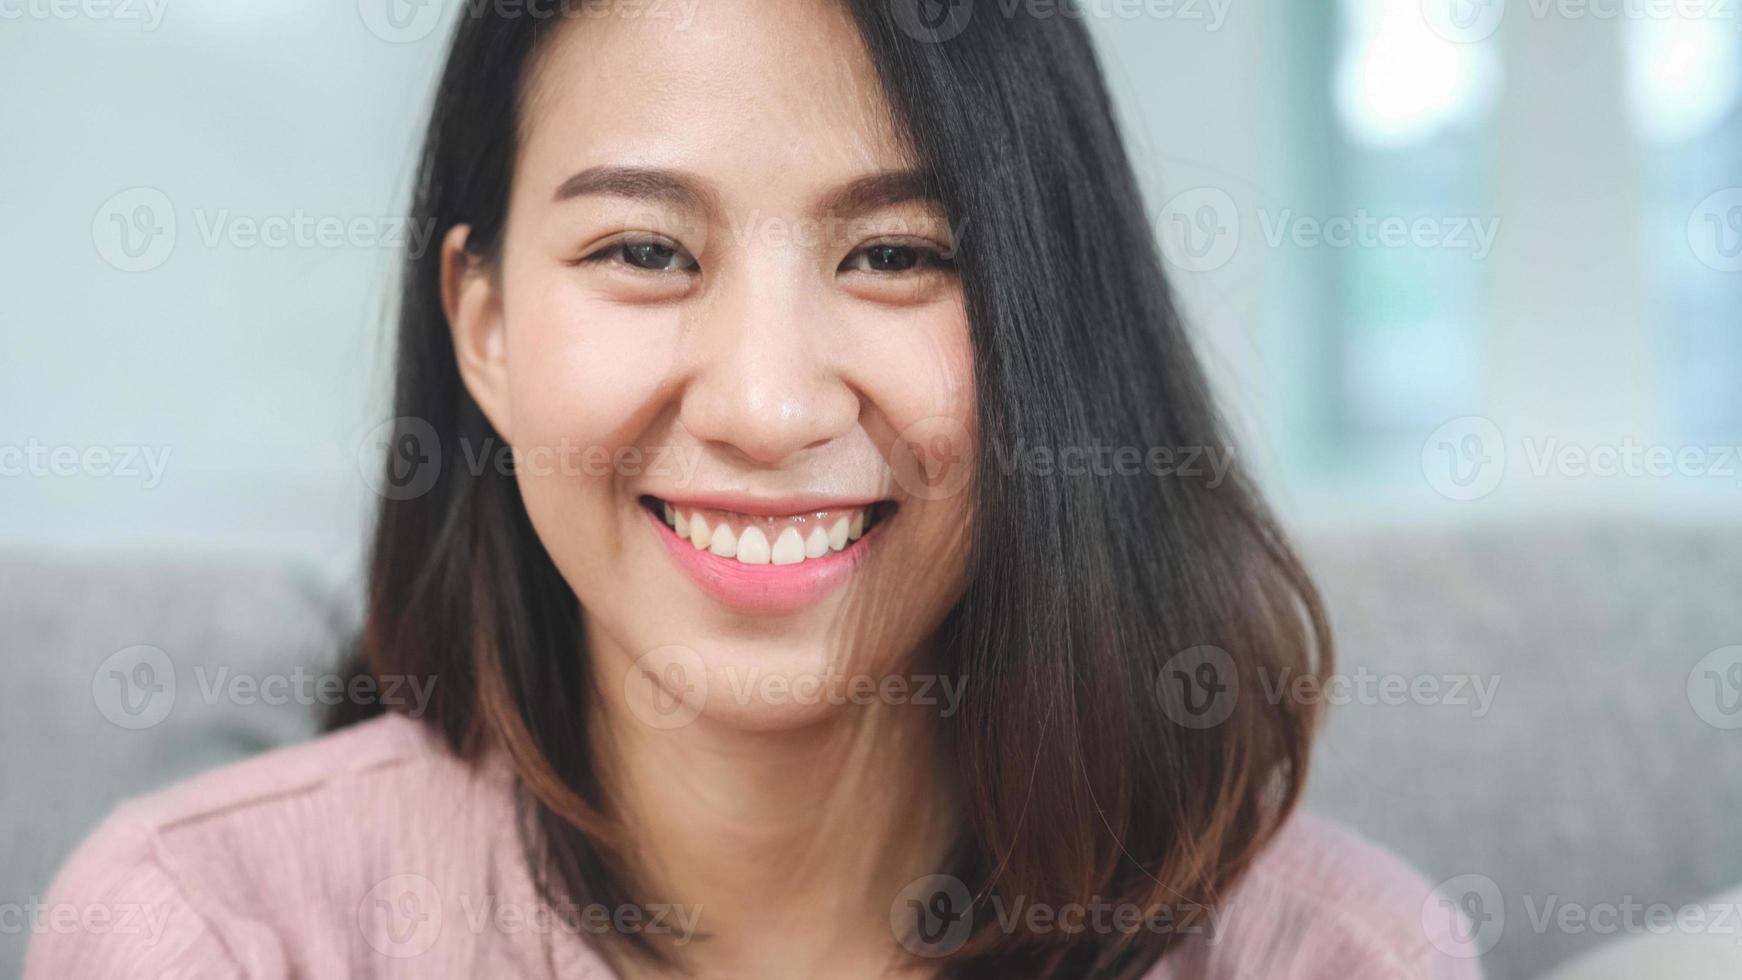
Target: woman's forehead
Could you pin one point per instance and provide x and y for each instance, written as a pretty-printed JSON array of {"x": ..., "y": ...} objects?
[{"x": 684, "y": 94}]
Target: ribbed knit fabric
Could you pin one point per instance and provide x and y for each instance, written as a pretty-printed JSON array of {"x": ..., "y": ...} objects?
[{"x": 375, "y": 853}]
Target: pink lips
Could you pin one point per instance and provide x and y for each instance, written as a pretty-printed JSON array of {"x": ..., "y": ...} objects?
[{"x": 768, "y": 589}]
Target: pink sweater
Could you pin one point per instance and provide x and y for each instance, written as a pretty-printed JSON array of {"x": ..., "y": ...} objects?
[{"x": 373, "y": 852}]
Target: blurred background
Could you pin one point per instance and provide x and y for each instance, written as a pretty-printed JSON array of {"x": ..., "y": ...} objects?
[{"x": 1469, "y": 273}]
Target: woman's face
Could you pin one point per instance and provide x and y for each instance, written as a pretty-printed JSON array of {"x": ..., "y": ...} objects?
[{"x": 726, "y": 340}]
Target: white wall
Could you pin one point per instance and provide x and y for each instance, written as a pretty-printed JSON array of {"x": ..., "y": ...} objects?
[{"x": 252, "y": 367}]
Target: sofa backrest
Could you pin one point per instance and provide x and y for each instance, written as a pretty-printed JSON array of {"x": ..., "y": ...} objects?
[{"x": 1607, "y": 768}]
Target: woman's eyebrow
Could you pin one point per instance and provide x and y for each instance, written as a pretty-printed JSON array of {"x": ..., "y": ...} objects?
[
  {"x": 637, "y": 183},
  {"x": 861, "y": 195},
  {"x": 883, "y": 189}
]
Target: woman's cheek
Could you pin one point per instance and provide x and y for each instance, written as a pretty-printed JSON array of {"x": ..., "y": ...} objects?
[
  {"x": 588, "y": 373},
  {"x": 916, "y": 368},
  {"x": 585, "y": 383}
]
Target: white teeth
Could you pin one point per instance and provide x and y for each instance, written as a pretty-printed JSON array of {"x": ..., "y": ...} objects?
[
  {"x": 725, "y": 543},
  {"x": 795, "y": 542},
  {"x": 817, "y": 545},
  {"x": 788, "y": 548},
  {"x": 753, "y": 547}
]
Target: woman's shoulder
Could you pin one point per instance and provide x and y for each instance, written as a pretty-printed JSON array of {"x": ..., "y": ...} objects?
[
  {"x": 391, "y": 752},
  {"x": 208, "y": 876},
  {"x": 1336, "y": 865},
  {"x": 1322, "y": 902}
]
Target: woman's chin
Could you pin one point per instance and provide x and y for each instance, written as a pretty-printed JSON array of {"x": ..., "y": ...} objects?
[{"x": 748, "y": 685}]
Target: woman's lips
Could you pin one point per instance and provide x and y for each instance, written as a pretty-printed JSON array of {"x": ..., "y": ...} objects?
[{"x": 761, "y": 562}]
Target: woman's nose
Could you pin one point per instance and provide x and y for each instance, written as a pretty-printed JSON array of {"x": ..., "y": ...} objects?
[{"x": 765, "y": 382}]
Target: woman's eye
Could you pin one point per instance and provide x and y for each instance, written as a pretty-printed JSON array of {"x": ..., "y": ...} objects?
[
  {"x": 647, "y": 256},
  {"x": 886, "y": 258},
  {"x": 657, "y": 257}
]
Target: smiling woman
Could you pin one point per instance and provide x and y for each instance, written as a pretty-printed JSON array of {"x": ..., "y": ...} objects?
[{"x": 835, "y": 261}]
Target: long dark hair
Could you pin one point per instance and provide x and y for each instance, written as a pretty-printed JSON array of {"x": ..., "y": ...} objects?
[{"x": 1087, "y": 768}]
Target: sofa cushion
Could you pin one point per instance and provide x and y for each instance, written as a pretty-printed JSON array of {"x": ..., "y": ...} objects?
[
  {"x": 124, "y": 676},
  {"x": 1598, "y": 775}
]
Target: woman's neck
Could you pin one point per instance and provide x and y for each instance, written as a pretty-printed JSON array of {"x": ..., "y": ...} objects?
[{"x": 793, "y": 843}]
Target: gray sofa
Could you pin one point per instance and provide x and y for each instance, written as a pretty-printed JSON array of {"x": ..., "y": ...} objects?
[{"x": 1594, "y": 778}]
